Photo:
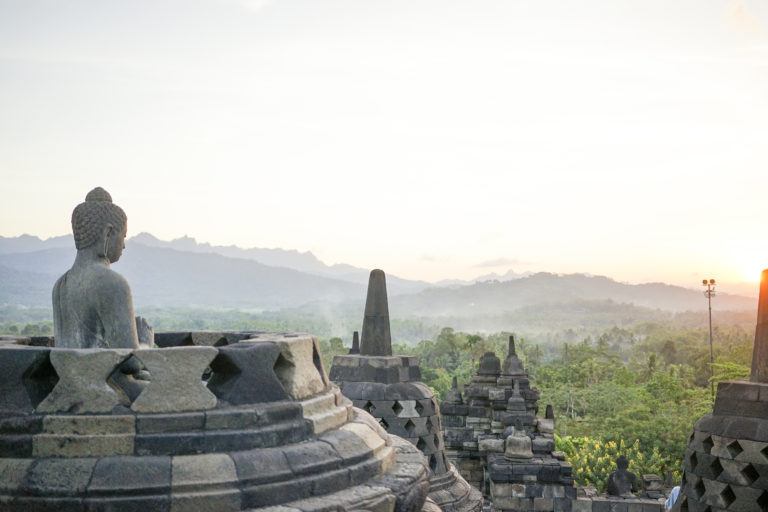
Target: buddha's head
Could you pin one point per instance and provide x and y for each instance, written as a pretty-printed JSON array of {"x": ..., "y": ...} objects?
[{"x": 100, "y": 223}]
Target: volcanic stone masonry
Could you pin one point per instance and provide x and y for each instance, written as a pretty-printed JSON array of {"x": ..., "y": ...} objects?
[
  {"x": 388, "y": 388},
  {"x": 726, "y": 464},
  {"x": 498, "y": 443},
  {"x": 268, "y": 431}
]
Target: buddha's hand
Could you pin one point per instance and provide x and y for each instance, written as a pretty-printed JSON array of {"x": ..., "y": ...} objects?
[{"x": 145, "y": 332}]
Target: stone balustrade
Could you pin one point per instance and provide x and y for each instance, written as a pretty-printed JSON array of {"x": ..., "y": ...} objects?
[{"x": 250, "y": 423}]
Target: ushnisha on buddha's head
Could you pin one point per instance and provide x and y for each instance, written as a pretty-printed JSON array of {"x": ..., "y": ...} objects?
[{"x": 100, "y": 226}]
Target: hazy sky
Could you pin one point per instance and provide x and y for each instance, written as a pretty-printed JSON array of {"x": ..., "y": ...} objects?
[{"x": 433, "y": 139}]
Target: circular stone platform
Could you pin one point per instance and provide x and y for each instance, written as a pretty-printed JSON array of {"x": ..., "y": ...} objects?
[{"x": 267, "y": 429}]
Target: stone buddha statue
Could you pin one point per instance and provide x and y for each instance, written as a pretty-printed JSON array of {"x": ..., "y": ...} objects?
[
  {"x": 622, "y": 482},
  {"x": 92, "y": 304}
]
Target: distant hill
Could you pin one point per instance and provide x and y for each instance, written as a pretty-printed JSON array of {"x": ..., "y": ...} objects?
[
  {"x": 494, "y": 297},
  {"x": 29, "y": 243},
  {"x": 163, "y": 276},
  {"x": 166, "y": 277},
  {"x": 302, "y": 261}
]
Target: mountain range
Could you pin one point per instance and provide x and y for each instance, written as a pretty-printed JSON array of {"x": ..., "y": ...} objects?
[{"x": 185, "y": 273}]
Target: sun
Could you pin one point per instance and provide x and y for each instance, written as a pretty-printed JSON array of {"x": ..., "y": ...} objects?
[{"x": 751, "y": 272}]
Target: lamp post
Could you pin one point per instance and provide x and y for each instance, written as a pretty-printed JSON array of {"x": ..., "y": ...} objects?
[{"x": 709, "y": 293}]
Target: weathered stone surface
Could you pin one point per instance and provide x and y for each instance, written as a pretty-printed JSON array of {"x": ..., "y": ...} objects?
[
  {"x": 244, "y": 373},
  {"x": 176, "y": 383},
  {"x": 27, "y": 377},
  {"x": 518, "y": 447},
  {"x": 191, "y": 471},
  {"x": 62, "y": 477},
  {"x": 140, "y": 475},
  {"x": 12, "y": 473},
  {"x": 376, "y": 339},
  {"x": 174, "y": 422},
  {"x": 50, "y": 445},
  {"x": 82, "y": 386},
  {"x": 491, "y": 445},
  {"x": 296, "y": 368}
]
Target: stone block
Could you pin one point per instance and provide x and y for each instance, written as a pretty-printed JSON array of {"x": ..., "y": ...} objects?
[
  {"x": 545, "y": 426},
  {"x": 269, "y": 414},
  {"x": 166, "y": 423},
  {"x": 491, "y": 445},
  {"x": 563, "y": 505},
  {"x": 349, "y": 446},
  {"x": 312, "y": 457},
  {"x": 296, "y": 367},
  {"x": 12, "y": 473},
  {"x": 230, "y": 419},
  {"x": 82, "y": 386},
  {"x": 330, "y": 481},
  {"x": 518, "y": 447},
  {"x": 52, "y": 445},
  {"x": 60, "y": 477},
  {"x": 176, "y": 380},
  {"x": 89, "y": 425},
  {"x": 261, "y": 466},
  {"x": 189, "y": 472},
  {"x": 131, "y": 475},
  {"x": 739, "y": 390},
  {"x": 27, "y": 424},
  {"x": 16, "y": 445},
  {"x": 543, "y": 504},
  {"x": 746, "y": 428},
  {"x": 553, "y": 491},
  {"x": 581, "y": 505},
  {"x": 228, "y": 500},
  {"x": 408, "y": 391},
  {"x": 28, "y": 377},
  {"x": 171, "y": 443},
  {"x": 244, "y": 373},
  {"x": 601, "y": 505}
]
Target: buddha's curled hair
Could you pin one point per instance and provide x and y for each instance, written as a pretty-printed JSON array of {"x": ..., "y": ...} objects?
[{"x": 90, "y": 217}]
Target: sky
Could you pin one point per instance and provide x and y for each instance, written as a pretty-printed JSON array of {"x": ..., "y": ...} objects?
[{"x": 433, "y": 139}]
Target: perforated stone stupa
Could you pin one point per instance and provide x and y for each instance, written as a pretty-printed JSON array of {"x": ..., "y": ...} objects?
[
  {"x": 388, "y": 388},
  {"x": 267, "y": 429},
  {"x": 726, "y": 464},
  {"x": 499, "y": 444}
]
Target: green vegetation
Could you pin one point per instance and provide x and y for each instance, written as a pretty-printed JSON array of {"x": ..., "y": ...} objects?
[
  {"x": 638, "y": 389},
  {"x": 635, "y": 389}
]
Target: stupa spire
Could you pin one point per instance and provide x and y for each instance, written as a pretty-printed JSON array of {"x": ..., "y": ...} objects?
[
  {"x": 760, "y": 350},
  {"x": 355, "y": 343},
  {"x": 376, "y": 339}
]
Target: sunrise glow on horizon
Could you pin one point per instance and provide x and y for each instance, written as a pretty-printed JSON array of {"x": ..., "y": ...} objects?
[{"x": 436, "y": 141}]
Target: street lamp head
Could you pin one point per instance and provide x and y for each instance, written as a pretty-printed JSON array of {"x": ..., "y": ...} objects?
[
  {"x": 704, "y": 282},
  {"x": 711, "y": 281}
]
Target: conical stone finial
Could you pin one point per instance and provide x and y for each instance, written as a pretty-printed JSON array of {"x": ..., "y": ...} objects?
[
  {"x": 376, "y": 339},
  {"x": 511, "y": 351},
  {"x": 355, "y": 343},
  {"x": 454, "y": 395},
  {"x": 760, "y": 350}
]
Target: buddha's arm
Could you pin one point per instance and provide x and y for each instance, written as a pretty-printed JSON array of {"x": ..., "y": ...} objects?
[{"x": 117, "y": 315}]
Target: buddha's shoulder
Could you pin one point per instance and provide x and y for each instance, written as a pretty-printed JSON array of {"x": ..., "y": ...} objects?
[{"x": 98, "y": 279}]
